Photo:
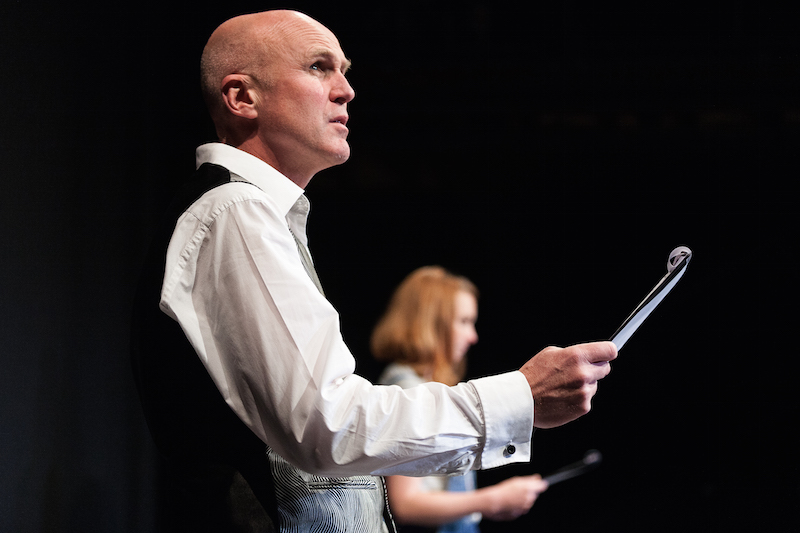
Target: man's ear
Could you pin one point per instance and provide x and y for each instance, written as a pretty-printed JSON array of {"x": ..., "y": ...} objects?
[{"x": 239, "y": 95}]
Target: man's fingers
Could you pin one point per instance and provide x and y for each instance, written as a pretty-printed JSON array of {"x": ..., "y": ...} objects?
[
  {"x": 600, "y": 370},
  {"x": 564, "y": 380},
  {"x": 600, "y": 352}
]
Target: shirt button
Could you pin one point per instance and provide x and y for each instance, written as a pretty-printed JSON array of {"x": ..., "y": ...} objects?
[{"x": 510, "y": 450}]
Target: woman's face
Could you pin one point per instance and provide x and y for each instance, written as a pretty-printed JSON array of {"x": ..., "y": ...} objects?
[{"x": 464, "y": 333}]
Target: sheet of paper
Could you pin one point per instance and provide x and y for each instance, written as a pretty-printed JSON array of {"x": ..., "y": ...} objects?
[{"x": 650, "y": 302}]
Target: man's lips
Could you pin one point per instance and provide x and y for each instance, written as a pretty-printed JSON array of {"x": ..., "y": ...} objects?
[{"x": 341, "y": 119}]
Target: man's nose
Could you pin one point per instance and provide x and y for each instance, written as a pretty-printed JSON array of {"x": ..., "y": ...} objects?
[{"x": 342, "y": 92}]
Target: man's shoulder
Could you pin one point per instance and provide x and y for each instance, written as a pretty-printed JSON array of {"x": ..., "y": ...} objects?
[{"x": 224, "y": 196}]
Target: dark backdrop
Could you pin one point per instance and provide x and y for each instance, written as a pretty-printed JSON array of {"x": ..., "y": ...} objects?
[{"x": 554, "y": 155}]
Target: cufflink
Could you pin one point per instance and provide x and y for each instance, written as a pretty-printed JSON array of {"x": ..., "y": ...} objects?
[{"x": 510, "y": 450}]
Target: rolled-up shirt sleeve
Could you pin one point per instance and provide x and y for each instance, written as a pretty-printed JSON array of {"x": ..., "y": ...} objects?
[{"x": 272, "y": 344}]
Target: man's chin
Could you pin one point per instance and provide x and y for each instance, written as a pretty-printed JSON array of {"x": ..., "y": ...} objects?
[
  {"x": 334, "y": 158},
  {"x": 341, "y": 156}
]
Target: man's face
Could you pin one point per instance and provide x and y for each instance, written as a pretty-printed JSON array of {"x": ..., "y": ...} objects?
[{"x": 303, "y": 104}]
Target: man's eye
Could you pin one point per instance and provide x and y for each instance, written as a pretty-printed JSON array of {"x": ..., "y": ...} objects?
[{"x": 316, "y": 66}]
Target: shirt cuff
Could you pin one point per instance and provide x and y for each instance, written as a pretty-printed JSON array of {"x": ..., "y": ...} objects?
[{"x": 507, "y": 405}]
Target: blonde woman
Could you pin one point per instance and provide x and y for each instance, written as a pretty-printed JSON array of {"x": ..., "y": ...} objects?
[{"x": 424, "y": 335}]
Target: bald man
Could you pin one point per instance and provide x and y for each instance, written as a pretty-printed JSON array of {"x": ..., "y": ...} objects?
[{"x": 246, "y": 383}]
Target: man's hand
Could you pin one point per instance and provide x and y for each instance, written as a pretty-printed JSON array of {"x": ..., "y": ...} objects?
[{"x": 564, "y": 380}]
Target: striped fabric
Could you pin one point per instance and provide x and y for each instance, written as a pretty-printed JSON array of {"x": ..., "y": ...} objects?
[{"x": 309, "y": 503}]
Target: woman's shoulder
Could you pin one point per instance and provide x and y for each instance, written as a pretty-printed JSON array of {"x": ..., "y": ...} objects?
[{"x": 400, "y": 374}]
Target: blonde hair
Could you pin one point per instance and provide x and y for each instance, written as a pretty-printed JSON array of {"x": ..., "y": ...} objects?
[{"x": 417, "y": 326}]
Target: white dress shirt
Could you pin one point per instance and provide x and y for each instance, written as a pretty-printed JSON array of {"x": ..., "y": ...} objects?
[{"x": 270, "y": 340}]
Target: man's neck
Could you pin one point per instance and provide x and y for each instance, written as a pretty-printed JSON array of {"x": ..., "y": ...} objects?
[{"x": 257, "y": 149}]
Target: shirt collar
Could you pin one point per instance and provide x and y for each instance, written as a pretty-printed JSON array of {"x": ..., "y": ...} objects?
[{"x": 283, "y": 191}]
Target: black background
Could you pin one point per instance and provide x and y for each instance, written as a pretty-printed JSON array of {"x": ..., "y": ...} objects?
[{"x": 555, "y": 155}]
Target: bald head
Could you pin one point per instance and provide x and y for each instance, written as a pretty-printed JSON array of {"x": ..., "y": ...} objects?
[
  {"x": 246, "y": 44},
  {"x": 275, "y": 85},
  {"x": 240, "y": 45}
]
